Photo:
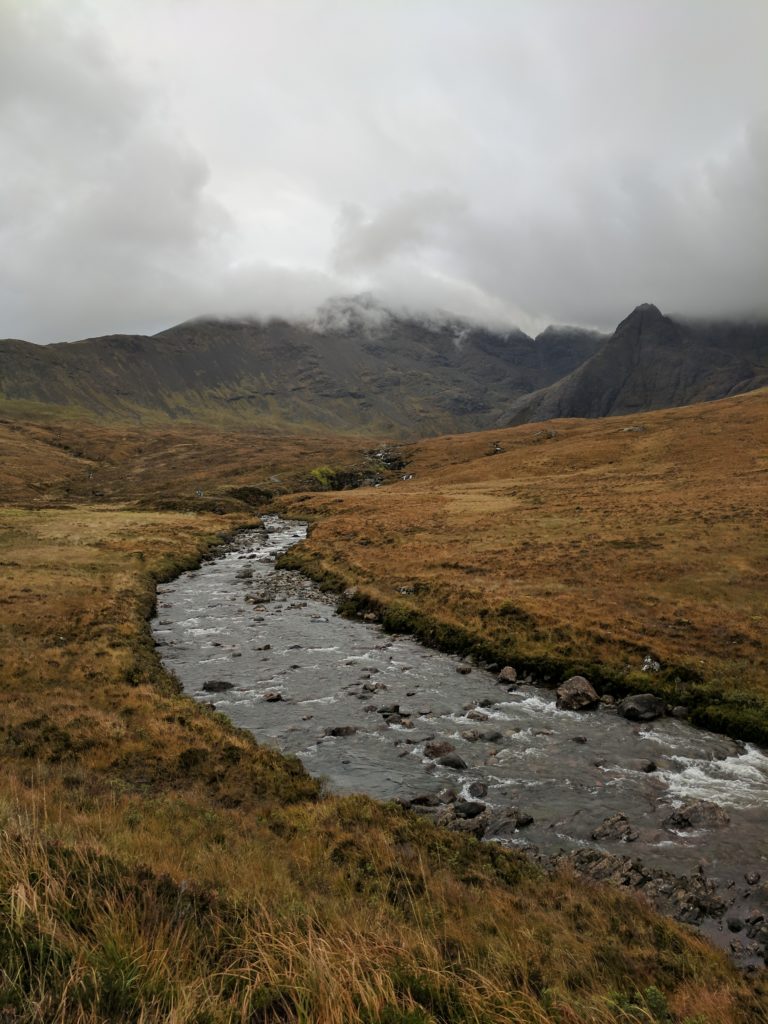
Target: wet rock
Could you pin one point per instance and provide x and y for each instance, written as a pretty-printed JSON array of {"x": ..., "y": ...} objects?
[
  {"x": 503, "y": 824},
  {"x": 491, "y": 736},
  {"x": 447, "y": 795},
  {"x": 576, "y": 694},
  {"x": 607, "y": 700},
  {"x": 679, "y": 711},
  {"x": 468, "y": 808},
  {"x": 697, "y": 814},
  {"x": 642, "y": 765},
  {"x": 734, "y": 924},
  {"x": 752, "y": 877},
  {"x": 507, "y": 676},
  {"x": 389, "y": 709},
  {"x": 477, "y": 716},
  {"x": 617, "y": 827},
  {"x": 438, "y": 748},
  {"x": 424, "y": 800},
  {"x": 642, "y": 707},
  {"x": 470, "y": 735},
  {"x": 272, "y": 696},
  {"x": 477, "y": 789},
  {"x": 217, "y": 686},
  {"x": 341, "y": 730},
  {"x": 463, "y": 670},
  {"x": 579, "y": 739},
  {"x": 454, "y": 761}
]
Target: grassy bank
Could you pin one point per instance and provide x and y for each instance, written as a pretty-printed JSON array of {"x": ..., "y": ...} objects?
[
  {"x": 584, "y": 546},
  {"x": 158, "y": 865}
]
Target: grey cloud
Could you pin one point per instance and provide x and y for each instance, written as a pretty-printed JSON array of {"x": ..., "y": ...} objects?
[{"x": 529, "y": 162}]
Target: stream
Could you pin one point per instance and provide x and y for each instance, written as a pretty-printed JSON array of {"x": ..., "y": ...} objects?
[{"x": 360, "y": 708}]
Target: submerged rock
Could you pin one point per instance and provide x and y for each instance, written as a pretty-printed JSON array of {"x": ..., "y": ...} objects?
[
  {"x": 217, "y": 686},
  {"x": 642, "y": 707}
]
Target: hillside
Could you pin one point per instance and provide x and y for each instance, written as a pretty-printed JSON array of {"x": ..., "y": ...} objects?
[
  {"x": 580, "y": 546},
  {"x": 357, "y": 369},
  {"x": 654, "y": 361}
]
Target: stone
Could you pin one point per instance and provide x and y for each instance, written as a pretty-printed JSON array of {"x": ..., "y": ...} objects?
[
  {"x": 341, "y": 730},
  {"x": 447, "y": 795},
  {"x": 576, "y": 694},
  {"x": 504, "y": 823},
  {"x": 477, "y": 716},
  {"x": 477, "y": 789},
  {"x": 617, "y": 827},
  {"x": 752, "y": 877},
  {"x": 424, "y": 800},
  {"x": 507, "y": 676},
  {"x": 579, "y": 739},
  {"x": 272, "y": 696},
  {"x": 642, "y": 707},
  {"x": 217, "y": 686},
  {"x": 679, "y": 711},
  {"x": 453, "y": 761},
  {"x": 468, "y": 808},
  {"x": 490, "y": 736},
  {"x": 438, "y": 748},
  {"x": 697, "y": 814},
  {"x": 463, "y": 670},
  {"x": 734, "y": 924}
]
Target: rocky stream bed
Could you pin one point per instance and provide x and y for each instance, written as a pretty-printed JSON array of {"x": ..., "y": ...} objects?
[{"x": 646, "y": 801}]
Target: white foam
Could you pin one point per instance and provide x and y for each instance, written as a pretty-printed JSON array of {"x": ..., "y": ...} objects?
[{"x": 737, "y": 781}]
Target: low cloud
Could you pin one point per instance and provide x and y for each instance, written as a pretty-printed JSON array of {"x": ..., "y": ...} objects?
[{"x": 517, "y": 163}]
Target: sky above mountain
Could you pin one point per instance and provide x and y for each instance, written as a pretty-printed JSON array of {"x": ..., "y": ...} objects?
[{"x": 519, "y": 161}]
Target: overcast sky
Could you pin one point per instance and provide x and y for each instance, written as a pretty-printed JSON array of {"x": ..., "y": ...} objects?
[{"x": 522, "y": 161}]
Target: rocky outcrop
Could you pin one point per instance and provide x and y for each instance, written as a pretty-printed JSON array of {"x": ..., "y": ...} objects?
[{"x": 617, "y": 827}]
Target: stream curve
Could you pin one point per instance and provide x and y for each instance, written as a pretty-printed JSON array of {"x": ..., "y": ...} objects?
[{"x": 360, "y": 708}]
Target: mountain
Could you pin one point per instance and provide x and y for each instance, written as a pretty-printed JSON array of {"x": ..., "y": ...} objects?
[
  {"x": 654, "y": 361},
  {"x": 357, "y": 368}
]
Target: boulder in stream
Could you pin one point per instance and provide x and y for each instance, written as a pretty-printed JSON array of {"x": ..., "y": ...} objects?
[
  {"x": 217, "y": 686},
  {"x": 642, "y": 707},
  {"x": 616, "y": 827},
  {"x": 576, "y": 694},
  {"x": 507, "y": 676},
  {"x": 438, "y": 748},
  {"x": 452, "y": 760},
  {"x": 697, "y": 814}
]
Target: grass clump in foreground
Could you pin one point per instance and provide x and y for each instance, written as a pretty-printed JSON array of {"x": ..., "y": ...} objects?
[
  {"x": 158, "y": 865},
  {"x": 585, "y": 549}
]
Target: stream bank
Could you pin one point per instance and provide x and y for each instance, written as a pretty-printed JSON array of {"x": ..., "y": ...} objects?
[{"x": 373, "y": 713}]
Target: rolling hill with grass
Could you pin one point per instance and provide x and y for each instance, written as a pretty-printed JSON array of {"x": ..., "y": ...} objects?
[{"x": 357, "y": 368}]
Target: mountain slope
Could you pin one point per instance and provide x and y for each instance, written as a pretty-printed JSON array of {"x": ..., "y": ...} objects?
[
  {"x": 357, "y": 368},
  {"x": 653, "y": 361}
]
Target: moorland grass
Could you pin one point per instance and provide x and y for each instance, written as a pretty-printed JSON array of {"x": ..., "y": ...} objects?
[
  {"x": 581, "y": 547},
  {"x": 156, "y": 864}
]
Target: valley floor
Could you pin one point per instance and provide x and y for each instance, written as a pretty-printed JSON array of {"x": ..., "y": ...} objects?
[{"x": 158, "y": 865}]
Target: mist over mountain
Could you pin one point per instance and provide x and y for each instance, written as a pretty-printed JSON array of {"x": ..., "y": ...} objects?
[
  {"x": 654, "y": 361},
  {"x": 355, "y": 367},
  {"x": 359, "y": 367}
]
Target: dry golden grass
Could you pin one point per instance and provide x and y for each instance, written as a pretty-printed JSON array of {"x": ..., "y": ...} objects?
[
  {"x": 590, "y": 549},
  {"x": 81, "y": 461},
  {"x": 157, "y": 865}
]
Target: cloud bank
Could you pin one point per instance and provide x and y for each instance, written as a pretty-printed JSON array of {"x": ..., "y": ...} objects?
[{"x": 534, "y": 162}]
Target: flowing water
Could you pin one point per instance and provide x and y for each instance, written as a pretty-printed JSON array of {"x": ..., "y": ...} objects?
[{"x": 239, "y": 622}]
